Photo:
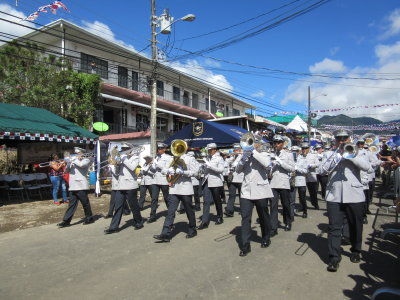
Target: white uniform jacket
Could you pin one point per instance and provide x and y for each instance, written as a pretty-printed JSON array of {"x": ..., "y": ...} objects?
[
  {"x": 344, "y": 180},
  {"x": 195, "y": 177},
  {"x": 301, "y": 168},
  {"x": 147, "y": 175},
  {"x": 160, "y": 168},
  {"x": 375, "y": 163},
  {"x": 237, "y": 177},
  {"x": 183, "y": 185},
  {"x": 255, "y": 184},
  {"x": 213, "y": 172},
  {"x": 114, "y": 177},
  {"x": 78, "y": 169},
  {"x": 127, "y": 179},
  {"x": 280, "y": 173},
  {"x": 313, "y": 162}
]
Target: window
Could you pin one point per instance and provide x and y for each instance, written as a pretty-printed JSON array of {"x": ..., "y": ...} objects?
[
  {"x": 213, "y": 107},
  {"x": 176, "y": 94},
  {"x": 124, "y": 117},
  {"x": 160, "y": 88},
  {"x": 135, "y": 81},
  {"x": 186, "y": 98},
  {"x": 142, "y": 122},
  {"x": 236, "y": 112},
  {"x": 149, "y": 84},
  {"x": 122, "y": 76},
  {"x": 93, "y": 65},
  {"x": 226, "y": 111},
  {"x": 195, "y": 101}
]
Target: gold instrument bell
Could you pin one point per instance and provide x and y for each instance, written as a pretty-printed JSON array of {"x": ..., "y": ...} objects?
[
  {"x": 115, "y": 157},
  {"x": 178, "y": 148}
]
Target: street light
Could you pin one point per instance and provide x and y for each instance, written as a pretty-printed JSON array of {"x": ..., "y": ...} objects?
[
  {"x": 309, "y": 113},
  {"x": 165, "y": 21}
]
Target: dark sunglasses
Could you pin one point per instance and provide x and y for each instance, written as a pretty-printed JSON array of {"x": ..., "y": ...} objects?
[
  {"x": 278, "y": 142},
  {"x": 341, "y": 138}
]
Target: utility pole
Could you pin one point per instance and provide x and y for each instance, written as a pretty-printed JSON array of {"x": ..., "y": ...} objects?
[
  {"x": 309, "y": 115},
  {"x": 153, "y": 109}
]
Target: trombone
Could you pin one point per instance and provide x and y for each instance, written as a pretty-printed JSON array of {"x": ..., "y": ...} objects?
[
  {"x": 66, "y": 158},
  {"x": 114, "y": 158}
]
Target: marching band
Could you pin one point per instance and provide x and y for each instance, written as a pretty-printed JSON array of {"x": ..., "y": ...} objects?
[{"x": 260, "y": 175}]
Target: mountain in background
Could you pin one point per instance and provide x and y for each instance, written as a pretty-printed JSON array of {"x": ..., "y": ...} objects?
[{"x": 343, "y": 120}]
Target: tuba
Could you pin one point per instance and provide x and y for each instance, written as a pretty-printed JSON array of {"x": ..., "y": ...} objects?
[
  {"x": 372, "y": 141},
  {"x": 178, "y": 148}
]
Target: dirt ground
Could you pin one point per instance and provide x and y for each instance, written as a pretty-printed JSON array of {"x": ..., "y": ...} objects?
[{"x": 18, "y": 215}]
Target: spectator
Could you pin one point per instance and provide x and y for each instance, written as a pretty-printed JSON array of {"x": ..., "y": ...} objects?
[{"x": 56, "y": 177}]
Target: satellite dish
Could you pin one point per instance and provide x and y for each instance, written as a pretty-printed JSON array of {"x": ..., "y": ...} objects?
[{"x": 100, "y": 126}]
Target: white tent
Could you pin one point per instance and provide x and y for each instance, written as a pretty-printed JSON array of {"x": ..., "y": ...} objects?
[{"x": 297, "y": 124}]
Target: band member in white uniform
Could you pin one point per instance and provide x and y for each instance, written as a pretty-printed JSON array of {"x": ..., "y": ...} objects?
[
  {"x": 212, "y": 184},
  {"x": 127, "y": 189},
  {"x": 181, "y": 191},
  {"x": 78, "y": 167},
  {"x": 301, "y": 168},
  {"x": 311, "y": 176},
  {"x": 147, "y": 180},
  {"x": 160, "y": 169},
  {"x": 283, "y": 165},
  {"x": 236, "y": 182},
  {"x": 344, "y": 196},
  {"x": 255, "y": 191}
]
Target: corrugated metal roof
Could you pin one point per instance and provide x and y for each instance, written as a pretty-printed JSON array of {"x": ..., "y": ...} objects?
[{"x": 16, "y": 118}]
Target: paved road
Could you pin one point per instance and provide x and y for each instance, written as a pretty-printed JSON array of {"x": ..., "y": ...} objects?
[{"x": 80, "y": 262}]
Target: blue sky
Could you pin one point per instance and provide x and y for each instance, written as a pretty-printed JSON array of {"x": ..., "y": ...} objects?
[{"x": 358, "y": 39}]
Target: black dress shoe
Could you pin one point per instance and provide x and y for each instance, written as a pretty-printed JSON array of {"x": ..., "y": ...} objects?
[
  {"x": 111, "y": 231},
  {"x": 181, "y": 211},
  {"x": 333, "y": 265},
  {"x": 191, "y": 235},
  {"x": 304, "y": 215},
  {"x": 369, "y": 212},
  {"x": 108, "y": 216},
  {"x": 292, "y": 219},
  {"x": 258, "y": 221},
  {"x": 265, "y": 243},
  {"x": 274, "y": 232},
  {"x": 127, "y": 212},
  {"x": 245, "y": 250},
  {"x": 355, "y": 257},
  {"x": 219, "y": 221},
  {"x": 202, "y": 226},
  {"x": 345, "y": 241},
  {"x": 163, "y": 238},
  {"x": 88, "y": 221},
  {"x": 316, "y": 207},
  {"x": 365, "y": 220},
  {"x": 138, "y": 226},
  {"x": 152, "y": 219},
  {"x": 63, "y": 224},
  {"x": 288, "y": 227},
  {"x": 197, "y": 208},
  {"x": 228, "y": 214}
]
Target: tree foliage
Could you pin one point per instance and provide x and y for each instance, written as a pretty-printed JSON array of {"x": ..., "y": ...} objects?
[{"x": 30, "y": 77}]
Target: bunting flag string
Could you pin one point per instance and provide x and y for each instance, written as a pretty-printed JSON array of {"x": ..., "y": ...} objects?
[
  {"x": 336, "y": 109},
  {"x": 44, "y": 9},
  {"x": 375, "y": 127}
]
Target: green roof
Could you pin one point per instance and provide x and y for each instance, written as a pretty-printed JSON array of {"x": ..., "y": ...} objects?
[
  {"x": 16, "y": 118},
  {"x": 287, "y": 119}
]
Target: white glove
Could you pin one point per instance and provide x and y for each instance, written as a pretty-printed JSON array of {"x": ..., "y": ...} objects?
[
  {"x": 309, "y": 166},
  {"x": 171, "y": 171},
  {"x": 206, "y": 163},
  {"x": 179, "y": 171},
  {"x": 278, "y": 161}
]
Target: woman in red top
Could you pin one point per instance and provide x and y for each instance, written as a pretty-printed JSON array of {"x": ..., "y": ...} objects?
[{"x": 56, "y": 177}]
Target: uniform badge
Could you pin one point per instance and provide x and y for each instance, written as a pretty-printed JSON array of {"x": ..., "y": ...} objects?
[{"x": 198, "y": 128}]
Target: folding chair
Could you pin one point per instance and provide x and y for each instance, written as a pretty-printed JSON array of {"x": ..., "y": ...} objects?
[
  {"x": 30, "y": 185},
  {"x": 3, "y": 188},
  {"x": 44, "y": 183},
  {"x": 15, "y": 189}
]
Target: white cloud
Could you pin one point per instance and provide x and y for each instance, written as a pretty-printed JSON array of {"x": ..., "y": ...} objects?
[
  {"x": 393, "y": 24},
  {"x": 327, "y": 65},
  {"x": 258, "y": 94},
  {"x": 212, "y": 63},
  {"x": 334, "y": 50},
  {"x": 193, "y": 68},
  {"x": 10, "y": 27},
  {"x": 351, "y": 92},
  {"x": 103, "y": 30}
]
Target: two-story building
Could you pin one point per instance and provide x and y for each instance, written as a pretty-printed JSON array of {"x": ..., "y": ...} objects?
[{"x": 126, "y": 78}]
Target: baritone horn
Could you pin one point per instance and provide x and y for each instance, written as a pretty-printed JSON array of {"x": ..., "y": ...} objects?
[
  {"x": 249, "y": 142},
  {"x": 178, "y": 148},
  {"x": 372, "y": 141}
]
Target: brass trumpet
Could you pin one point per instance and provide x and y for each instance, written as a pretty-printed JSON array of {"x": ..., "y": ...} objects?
[
  {"x": 66, "y": 158},
  {"x": 178, "y": 148},
  {"x": 350, "y": 151}
]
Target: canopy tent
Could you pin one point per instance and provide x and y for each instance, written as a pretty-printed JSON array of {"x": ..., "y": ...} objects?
[
  {"x": 297, "y": 124},
  {"x": 37, "y": 124},
  {"x": 201, "y": 132},
  {"x": 286, "y": 119}
]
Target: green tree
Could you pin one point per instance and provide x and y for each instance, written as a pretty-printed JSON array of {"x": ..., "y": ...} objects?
[{"x": 29, "y": 76}]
